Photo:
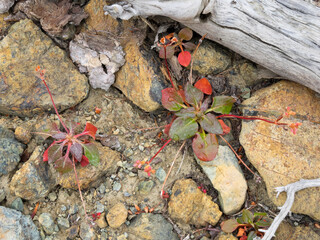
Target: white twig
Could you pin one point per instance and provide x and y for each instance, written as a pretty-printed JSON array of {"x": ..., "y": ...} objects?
[{"x": 291, "y": 189}]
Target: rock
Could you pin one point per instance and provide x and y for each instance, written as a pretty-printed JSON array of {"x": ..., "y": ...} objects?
[
  {"x": 23, "y": 134},
  {"x": 280, "y": 156},
  {"x": 227, "y": 178},
  {"x": 116, "y": 186},
  {"x": 52, "y": 196},
  {"x": 101, "y": 221},
  {"x": 211, "y": 58},
  {"x": 117, "y": 215},
  {"x": 86, "y": 232},
  {"x": 145, "y": 187},
  {"x": 15, "y": 226},
  {"x": 90, "y": 174},
  {"x": 34, "y": 179},
  {"x": 141, "y": 69},
  {"x": 152, "y": 227},
  {"x": 225, "y": 236},
  {"x": 286, "y": 231},
  {"x": 47, "y": 223},
  {"x": 63, "y": 223},
  {"x": 5, "y": 5},
  {"x": 68, "y": 86},
  {"x": 17, "y": 204},
  {"x": 73, "y": 232},
  {"x": 2, "y": 195},
  {"x": 191, "y": 206},
  {"x": 93, "y": 53},
  {"x": 3, "y": 24},
  {"x": 161, "y": 174},
  {"x": 10, "y": 151}
]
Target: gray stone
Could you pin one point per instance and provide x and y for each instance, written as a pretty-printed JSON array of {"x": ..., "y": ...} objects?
[
  {"x": 52, "y": 196},
  {"x": 86, "y": 232},
  {"x": 2, "y": 195},
  {"x": 16, "y": 226},
  {"x": 63, "y": 223},
  {"x": 161, "y": 174},
  {"x": 116, "y": 186},
  {"x": 10, "y": 151},
  {"x": 73, "y": 209},
  {"x": 5, "y": 5},
  {"x": 145, "y": 187},
  {"x": 226, "y": 176},
  {"x": 47, "y": 223},
  {"x": 99, "y": 207},
  {"x": 17, "y": 204}
]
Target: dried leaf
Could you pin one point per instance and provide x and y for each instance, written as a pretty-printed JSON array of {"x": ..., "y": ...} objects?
[
  {"x": 205, "y": 146},
  {"x": 185, "y": 34},
  {"x": 189, "y": 46}
]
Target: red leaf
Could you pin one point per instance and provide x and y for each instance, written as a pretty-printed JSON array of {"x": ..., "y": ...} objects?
[
  {"x": 172, "y": 99},
  {"x": 45, "y": 155},
  {"x": 205, "y": 147},
  {"x": 91, "y": 130},
  {"x": 184, "y": 58},
  {"x": 84, "y": 161},
  {"x": 167, "y": 128},
  {"x": 225, "y": 127},
  {"x": 204, "y": 85}
]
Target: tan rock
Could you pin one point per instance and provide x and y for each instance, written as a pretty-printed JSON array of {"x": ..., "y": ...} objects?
[
  {"x": 101, "y": 221},
  {"x": 191, "y": 206},
  {"x": 90, "y": 174},
  {"x": 117, "y": 215},
  {"x": 22, "y": 93},
  {"x": 286, "y": 231},
  {"x": 280, "y": 156},
  {"x": 225, "y": 236},
  {"x": 3, "y": 24},
  {"x": 23, "y": 134}
]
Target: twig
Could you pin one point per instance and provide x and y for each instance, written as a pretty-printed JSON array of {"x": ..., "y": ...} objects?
[
  {"x": 183, "y": 156},
  {"x": 290, "y": 189}
]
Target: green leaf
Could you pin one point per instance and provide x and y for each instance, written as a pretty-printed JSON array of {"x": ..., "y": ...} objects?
[
  {"x": 183, "y": 128},
  {"x": 193, "y": 95},
  {"x": 92, "y": 153},
  {"x": 251, "y": 235},
  {"x": 172, "y": 99},
  {"x": 205, "y": 146},
  {"x": 210, "y": 123},
  {"x": 258, "y": 215},
  {"x": 247, "y": 216},
  {"x": 222, "y": 104},
  {"x": 185, "y": 34},
  {"x": 264, "y": 222},
  {"x": 186, "y": 112},
  {"x": 229, "y": 226}
]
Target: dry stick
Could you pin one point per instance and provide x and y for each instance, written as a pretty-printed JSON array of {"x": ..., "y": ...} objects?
[
  {"x": 175, "y": 158},
  {"x": 238, "y": 156},
  {"x": 291, "y": 189},
  {"x": 194, "y": 53}
]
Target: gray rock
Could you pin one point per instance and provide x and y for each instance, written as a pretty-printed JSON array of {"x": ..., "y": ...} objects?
[
  {"x": 145, "y": 187},
  {"x": 86, "y": 232},
  {"x": 63, "y": 223},
  {"x": 52, "y": 196},
  {"x": 226, "y": 176},
  {"x": 5, "y": 5},
  {"x": 47, "y": 223},
  {"x": 116, "y": 186},
  {"x": 151, "y": 226},
  {"x": 2, "y": 195},
  {"x": 10, "y": 151},
  {"x": 17, "y": 204},
  {"x": 99, "y": 207},
  {"x": 161, "y": 174},
  {"x": 73, "y": 209},
  {"x": 16, "y": 226}
]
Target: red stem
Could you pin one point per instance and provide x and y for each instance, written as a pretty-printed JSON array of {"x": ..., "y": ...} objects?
[
  {"x": 167, "y": 142},
  {"x": 250, "y": 118},
  {"x": 165, "y": 59}
]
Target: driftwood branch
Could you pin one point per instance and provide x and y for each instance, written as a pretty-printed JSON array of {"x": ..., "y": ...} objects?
[
  {"x": 281, "y": 35},
  {"x": 290, "y": 189}
]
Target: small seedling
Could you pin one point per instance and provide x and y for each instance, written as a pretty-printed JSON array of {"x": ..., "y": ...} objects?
[{"x": 249, "y": 225}]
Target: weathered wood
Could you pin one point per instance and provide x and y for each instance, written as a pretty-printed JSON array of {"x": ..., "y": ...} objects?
[{"x": 281, "y": 35}]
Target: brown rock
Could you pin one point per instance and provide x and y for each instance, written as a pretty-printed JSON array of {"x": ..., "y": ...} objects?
[
  {"x": 280, "y": 156},
  {"x": 23, "y": 134},
  {"x": 117, "y": 215},
  {"x": 34, "y": 179},
  {"x": 191, "y": 206},
  {"x": 24, "y": 48},
  {"x": 286, "y": 231},
  {"x": 73, "y": 232},
  {"x": 3, "y": 24},
  {"x": 101, "y": 221},
  {"x": 90, "y": 174},
  {"x": 225, "y": 236}
]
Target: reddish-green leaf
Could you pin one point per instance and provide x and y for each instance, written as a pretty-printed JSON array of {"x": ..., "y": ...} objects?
[
  {"x": 184, "y": 58},
  {"x": 90, "y": 130},
  {"x": 183, "y": 128},
  {"x": 172, "y": 99},
  {"x": 210, "y": 123},
  {"x": 77, "y": 151},
  {"x": 186, "y": 112},
  {"x": 193, "y": 95},
  {"x": 53, "y": 153},
  {"x": 222, "y": 104},
  {"x": 63, "y": 164},
  {"x": 185, "y": 34},
  {"x": 251, "y": 235},
  {"x": 247, "y": 217},
  {"x": 225, "y": 128},
  {"x": 205, "y": 104},
  {"x": 166, "y": 53},
  {"x": 264, "y": 222},
  {"x": 205, "y": 146},
  {"x": 204, "y": 85},
  {"x": 84, "y": 161},
  {"x": 229, "y": 226},
  {"x": 92, "y": 153}
]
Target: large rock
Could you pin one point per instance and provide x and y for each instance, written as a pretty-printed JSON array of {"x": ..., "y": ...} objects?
[
  {"x": 280, "y": 156},
  {"x": 3, "y": 24},
  {"x": 149, "y": 226},
  {"x": 10, "y": 151},
  {"x": 191, "y": 206},
  {"x": 286, "y": 231},
  {"x": 226, "y": 176},
  {"x": 90, "y": 174},
  {"x": 33, "y": 180},
  {"x": 16, "y": 226},
  {"x": 117, "y": 215},
  {"x": 24, "y": 48},
  {"x": 5, "y": 5}
]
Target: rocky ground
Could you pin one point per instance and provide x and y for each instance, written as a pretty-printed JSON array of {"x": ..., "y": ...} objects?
[{"x": 93, "y": 61}]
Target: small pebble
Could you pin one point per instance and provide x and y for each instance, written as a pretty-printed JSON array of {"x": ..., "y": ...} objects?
[
  {"x": 102, "y": 188},
  {"x": 99, "y": 207},
  {"x": 126, "y": 194},
  {"x": 119, "y": 164},
  {"x": 63, "y": 223},
  {"x": 52, "y": 196},
  {"x": 128, "y": 152},
  {"x": 63, "y": 208},
  {"x": 116, "y": 186},
  {"x": 116, "y": 132},
  {"x": 47, "y": 223},
  {"x": 161, "y": 174},
  {"x": 141, "y": 148},
  {"x": 17, "y": 204},
  {"x": 73, "y": 209}
]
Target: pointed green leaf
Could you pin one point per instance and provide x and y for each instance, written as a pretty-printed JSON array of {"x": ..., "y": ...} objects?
[
  {"x": 251, "y": 235},
  {"x": 172, "y": 99},
  {"x": 210, "y": 123},
  {"x": 222, "y": 104},
  {"x": 92, "y": 153},
  {"x": 229, "y": 226},
  {"x": 185, "y": 34},
  {"x": 193, "y": 95},
  {"x": 264, "y": 222},
  {"x": 205, "y": 147},
  {"x": 258, "y": 215},
  {"x": 183, "y": 128},
  {"x": 247, "y": 216},
  {"x": 186, "y": 112}
]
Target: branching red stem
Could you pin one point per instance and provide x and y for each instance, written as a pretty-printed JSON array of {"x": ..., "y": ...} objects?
[
  {"x": 167, "y": 142},
  {"x": 251, "y": 118}
]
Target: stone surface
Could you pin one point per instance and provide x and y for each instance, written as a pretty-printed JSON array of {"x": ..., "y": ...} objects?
[
  {"x": 117, "y": 215},
  {"x": 73, "y": 232},
  {"x": 191, "y": 206},
  {"x": 144, "y": 187},
  {"x": 225, "y": 236},
  {"x": 5, "y": 5},
  {"x": 47, "y": 223},
  {"x": 101, "y": 221},
  {"x": 18, "y": 78},
  {"x": 10, "y": 151},
  {"x": 34, "y": 180},
  {"x": 280, "y": 156},
  {"x": 17, "y": 204},
  {"x": 148, "y": 226},
  {"x": 63, "y": 223},
  {"x": 286, "y": 231},
  {"x": 16, "y": 226},
  {"x": 23, "y": 134},
  {"x": 86, "y": 232},
  {"x": 3, "y": 24},
  {"x": 227, "y": 178},
  {"x": 90, "y": 174}
]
